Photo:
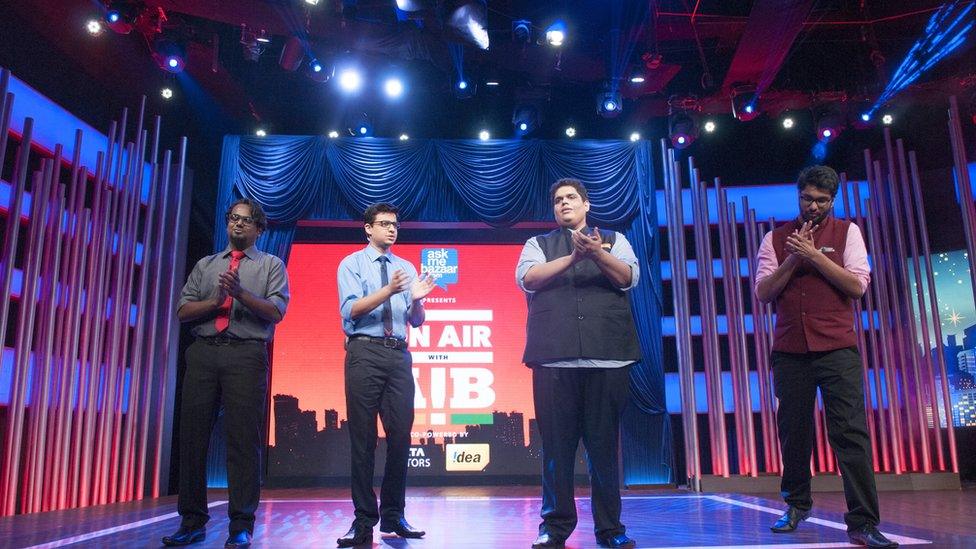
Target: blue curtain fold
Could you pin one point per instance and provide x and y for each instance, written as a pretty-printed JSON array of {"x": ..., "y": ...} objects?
[{"x": 499, "y": 182}]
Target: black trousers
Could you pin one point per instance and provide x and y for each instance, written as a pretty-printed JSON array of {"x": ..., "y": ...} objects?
[
  {"x": 379, "y": 380},
  {"x": 796, "y": 378},
  {"x": 235, "y": 377},
  {"x": 570, "y": 404}
]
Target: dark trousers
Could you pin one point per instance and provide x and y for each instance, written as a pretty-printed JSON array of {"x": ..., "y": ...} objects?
[
  {"x": 378, "y": 381},
  {"x": 570, "y": 404},
  {"x": 796, "y": 378},
  {"x": 235, "y": 377}
]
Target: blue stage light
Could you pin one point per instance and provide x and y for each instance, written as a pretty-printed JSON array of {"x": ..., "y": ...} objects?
[
  {"x": 113, "y": 16},
  {"x": 556, "y": 34},
  {"x": 315, "y": 66},
  {"x": 393, "y": 87},
  {"x": 865, "y": 117},
  {"x": 350, "y": 80},
  {"x": 169, "y": 54},
  {"x": 609, "y": 104},
  {"x": 462, "y": 85}
]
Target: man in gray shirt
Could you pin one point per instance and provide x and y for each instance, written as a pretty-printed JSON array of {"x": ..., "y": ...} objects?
[{"x": 233, "y": 299}]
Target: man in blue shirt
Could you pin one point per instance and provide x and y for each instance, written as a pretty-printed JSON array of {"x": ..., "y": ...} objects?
[{"x": 379, "y": 293}]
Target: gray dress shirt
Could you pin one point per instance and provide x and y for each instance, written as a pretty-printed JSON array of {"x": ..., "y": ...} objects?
[{"x": 261, "y": 274}]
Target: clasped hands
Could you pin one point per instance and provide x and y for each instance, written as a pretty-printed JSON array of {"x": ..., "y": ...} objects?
[
  {"x": 586, "y": 246},
  {"x": 800, "y": 242},
  {"x": 419, "y": 287}
]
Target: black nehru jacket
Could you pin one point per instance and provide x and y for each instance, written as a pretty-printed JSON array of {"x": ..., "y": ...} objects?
[{"x": 580, "y": 313}]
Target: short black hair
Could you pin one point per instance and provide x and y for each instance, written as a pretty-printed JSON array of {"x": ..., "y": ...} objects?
[
  {"x": 824, "y": 178},
  {"x": 569, "y": 182},
  {"x": 257, "y": 212},
  {"x": 369, "y": 216}
]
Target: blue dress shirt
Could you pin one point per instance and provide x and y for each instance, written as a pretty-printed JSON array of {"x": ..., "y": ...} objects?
[{"x": 359, "y": 276}]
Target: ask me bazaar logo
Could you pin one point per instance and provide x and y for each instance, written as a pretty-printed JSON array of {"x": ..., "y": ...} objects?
[{"x": 440, "y": 263}]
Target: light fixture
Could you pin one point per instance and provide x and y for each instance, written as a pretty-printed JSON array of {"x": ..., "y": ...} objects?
[
  {"x": 526, "y": 119},
  {"x": 252, "y": 43},
  {"x": 350, "y": 80},
  {"x": 682, "y": 129},
  {"x": 491, "y": 83},
  {"x": 166, "y": 92},
  {"x": 609, "y": 104},
  {"x": 464, "y": 88},
  {"x": 484, "y": 135},
  {"x": 830, "y": 121},
  {"x": 169, "y": 54},
  {"x": 333, "y": 134},
  {"x": 522, "y": 31},
  {"x": 470, "y": 19},
  {"x": 404, "y": 137},
  {"x": 788, "y": 123},
  {"x": 362, "y": 127},
  {"x": 637, "y": 79},
  {"x": 556, "y": 34},
  {"x": 312, "y": 2},
  {"x": 709, "y": 126},
  {"x": 260, "y": 132},
  {"x": 570, "y": 132},
  {"x": 393, "y": 87},
  {"x": 745, "y": 103},
  {"x": 635, "y": 136},
  {"x": 887, "y": 119},
  {"x": 94, "y": 27}
]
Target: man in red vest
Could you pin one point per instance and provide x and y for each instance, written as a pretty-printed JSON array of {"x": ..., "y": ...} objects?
[{"x": 812, "y": 269}]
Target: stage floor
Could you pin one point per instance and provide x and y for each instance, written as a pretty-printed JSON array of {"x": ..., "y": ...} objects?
[{"x": 508, "y": 517}]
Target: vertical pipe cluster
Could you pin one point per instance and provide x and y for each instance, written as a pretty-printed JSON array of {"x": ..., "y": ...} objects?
[
  {"x": 91, "y": 319},
  {"x": 897, "y": 321}
]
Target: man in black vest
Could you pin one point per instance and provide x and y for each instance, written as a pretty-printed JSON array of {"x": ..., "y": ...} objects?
[{"x": 580, "y": 343}]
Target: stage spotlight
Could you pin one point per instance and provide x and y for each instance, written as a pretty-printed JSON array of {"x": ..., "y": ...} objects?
[
  {"x": 393, "y": 87},
  {"x": 253, "y": 43},
  {"x": 122, "y": 14},
  {"x": 522, "y": 31},
  {"x": 709, "y": 126},
  {"x": 470, "y": 19},
  {"x": 464, "y": 89},
  {"x": 292, "y": 54},
  {"x": 404, "y": 137},
  {"x": 312, "y": 2},
  {"x": 260, "y": 132},
  {"x": 887, "y": 119},
  {"x": 682, "y": 129},
  {"x": 169, "y": 54},
  {"x": 484, "y": 135},
  {"x": 414, "y": 5},
  {"x": 94, "y": 27},
  {"x": 350, "y": 80},
  {"x": 865, "y": 117},
  {"x": 556, "y": 34},
  {"x": 363, "y": 127},
  {"x": 745, "y": 103},
  {"x": 788, "y": 123},
  {"x": 635, "y": 136},
  {"x": 491, "y": 83},
  {"x": 609, "y": 104},
  {"x": 333, "y": 134},
  {"x": 570, "y": 132},
  {"x": 526, "y": 119},
  {"x": 318, "y": 71},
  {"x": 166, "y": 92},
  {"x": 830, "y": 122},
  {"x": 637, "y": 79}
]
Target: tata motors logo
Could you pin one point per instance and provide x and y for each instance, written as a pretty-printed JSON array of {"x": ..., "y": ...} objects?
[
  {"x": 441, "y": 263},
  {"x": 418, "y": 458},
  {"x": 468, "y": 457}
]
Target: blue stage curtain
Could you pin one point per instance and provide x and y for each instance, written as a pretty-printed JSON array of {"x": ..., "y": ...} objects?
[{"x": 499, "y": 182}]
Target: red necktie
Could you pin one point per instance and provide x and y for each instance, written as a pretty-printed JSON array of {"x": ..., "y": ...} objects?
[{"x": 223, "y": 312}]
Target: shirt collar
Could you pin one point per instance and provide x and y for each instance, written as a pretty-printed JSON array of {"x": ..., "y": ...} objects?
[
  {"x": 251, "y": 252},
  {"x": 373, "y": 254}
]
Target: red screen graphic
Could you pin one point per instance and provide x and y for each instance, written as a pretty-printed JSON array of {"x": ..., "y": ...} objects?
[{"x": 467, "y": 355}]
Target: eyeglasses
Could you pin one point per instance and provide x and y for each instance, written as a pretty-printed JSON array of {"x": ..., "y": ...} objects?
[
  {"x": 387, "y": 224},
  {"x": 234, "y": 218},
  {"x": 822, "y": 201}
]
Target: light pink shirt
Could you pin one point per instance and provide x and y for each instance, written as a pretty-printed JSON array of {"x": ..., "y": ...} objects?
[{"x": 855, "y": 257}]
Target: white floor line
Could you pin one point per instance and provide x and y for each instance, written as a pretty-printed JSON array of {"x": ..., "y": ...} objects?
[
  {"x": 904, "y": 540},
  {"x": 114, "y": 529}
]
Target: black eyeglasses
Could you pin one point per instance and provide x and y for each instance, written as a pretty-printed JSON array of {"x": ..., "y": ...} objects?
[
  {"x": 234, "y": 218},
  {"x": 387, "y": 224},
  {"x": 822, "y": 201}
]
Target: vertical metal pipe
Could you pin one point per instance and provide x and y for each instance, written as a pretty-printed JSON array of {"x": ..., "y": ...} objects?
[
  {"x": 963, "y": 186},
  {"x": 746, "y": 395},
  {"x": 934, "y": 307}
]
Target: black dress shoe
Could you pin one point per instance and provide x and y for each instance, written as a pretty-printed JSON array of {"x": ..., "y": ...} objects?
[
  {"x": 870, "y": 536},
  {"x": 789, "y": 521},
  {"x": 402, "y": 528},
  {"x": 357, "y": 535},
  {"x": 620, "y": 540},
  {"x": 185, "y": 536},
  {"x": 238, "y": 540},
  {"x": 547, "y": 541}
]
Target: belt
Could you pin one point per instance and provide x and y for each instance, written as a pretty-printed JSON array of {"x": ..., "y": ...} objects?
[
  {"x": 394, "y": 343},
  {"x": 223, "y": 340}
]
